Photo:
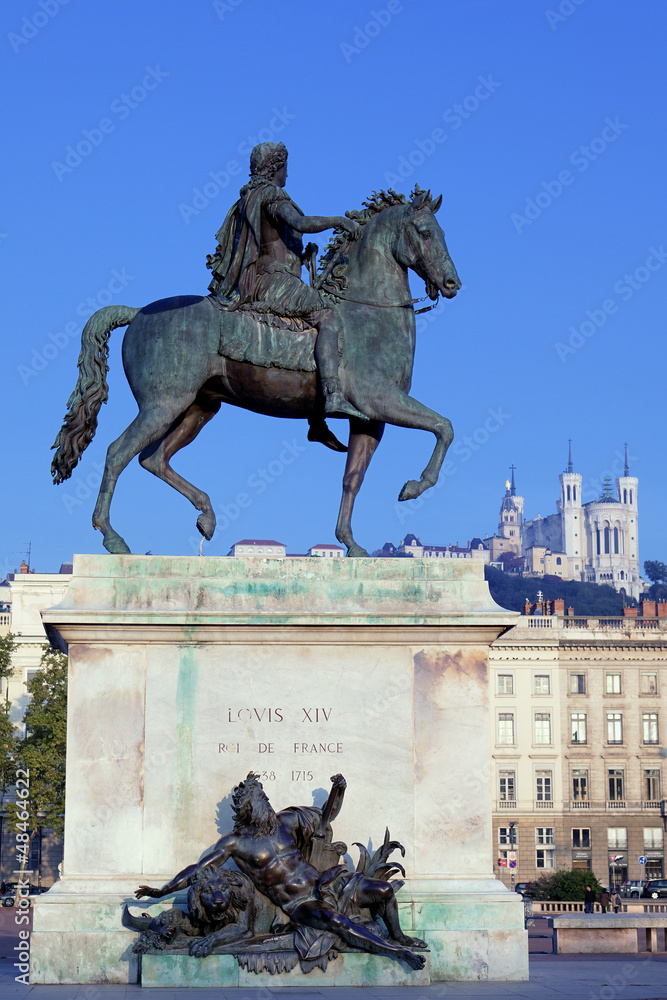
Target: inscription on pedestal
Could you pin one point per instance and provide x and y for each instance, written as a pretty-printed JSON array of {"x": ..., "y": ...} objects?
[{"x": 313, "y": 715}]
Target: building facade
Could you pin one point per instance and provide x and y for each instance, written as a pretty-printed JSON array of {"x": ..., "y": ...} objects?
[
  {"x": 29, "y": 593},
  {"x": 576, "y": 743}
]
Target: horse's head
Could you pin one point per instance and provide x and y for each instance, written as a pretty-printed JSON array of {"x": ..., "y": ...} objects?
[{"x": 421, "y": 246}]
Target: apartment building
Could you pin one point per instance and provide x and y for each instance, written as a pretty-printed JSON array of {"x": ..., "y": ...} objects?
[
  {"x": 576, "y": 744},
  {"x": 25, "y": 594}
]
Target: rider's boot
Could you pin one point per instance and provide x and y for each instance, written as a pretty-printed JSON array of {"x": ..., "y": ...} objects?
[
  {"x": 335, "y": 403},
  {"x": 319, "y": 431}
]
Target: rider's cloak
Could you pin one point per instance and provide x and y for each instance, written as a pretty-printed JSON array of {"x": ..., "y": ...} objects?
[{"x": 234, "y": 262}]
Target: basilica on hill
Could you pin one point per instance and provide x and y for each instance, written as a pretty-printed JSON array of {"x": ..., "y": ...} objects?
[{"x": 594, "y": 542}]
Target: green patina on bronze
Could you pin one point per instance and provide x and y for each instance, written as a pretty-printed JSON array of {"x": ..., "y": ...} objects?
[{"x": 266, "y": 341}]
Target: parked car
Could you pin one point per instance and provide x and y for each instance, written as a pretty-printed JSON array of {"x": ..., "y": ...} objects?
[
  {"x": 655, "y": 888},
  {"x": 523, "y": 888},
  {"x": 633, "y": 888},
  {"x": 9, "y": 898}
]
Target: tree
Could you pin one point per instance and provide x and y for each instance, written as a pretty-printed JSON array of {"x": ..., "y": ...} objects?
[
  {"x": 8, "y": 740},
  {"x": 655, "y": 571},
  {"x": 40, "y": 756},
  {"x": 657, "y": 574},
  {"x": 565, "y": 884},
  {"x": 512, "y": 563}
]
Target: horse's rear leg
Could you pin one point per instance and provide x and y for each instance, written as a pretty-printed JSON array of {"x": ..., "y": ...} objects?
[
  {"x": 403, "y": 411},
  {"x": 364, "y": 439},
  {"x": 147, "y": 427},
  {"x": 156, "y": 460}
]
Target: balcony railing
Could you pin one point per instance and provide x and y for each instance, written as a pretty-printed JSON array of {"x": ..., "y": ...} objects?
[
  {"x": 575, "y": 622},
  {"x": 5, "y": 619},
  {"x": 542, "y": 804},
  {"x": 538, "y": 621},
  {"x": 612, "y": 623},
  {"x": 506, "y": 804},
  {"x": 580, "y": 804},
  {"x": 650, "y": 805}
]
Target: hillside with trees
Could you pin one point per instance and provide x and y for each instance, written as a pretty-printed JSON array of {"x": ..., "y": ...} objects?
[{"x": 510, "y": 591}]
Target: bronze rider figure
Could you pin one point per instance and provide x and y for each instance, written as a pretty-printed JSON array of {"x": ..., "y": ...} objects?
[{"x": 259, "y": 258}]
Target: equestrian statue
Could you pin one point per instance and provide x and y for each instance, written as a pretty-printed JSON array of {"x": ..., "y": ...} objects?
[{"x": 264, "y": 340}]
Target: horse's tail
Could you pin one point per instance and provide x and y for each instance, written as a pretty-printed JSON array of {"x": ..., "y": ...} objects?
[{"x": 91, "y": 389}]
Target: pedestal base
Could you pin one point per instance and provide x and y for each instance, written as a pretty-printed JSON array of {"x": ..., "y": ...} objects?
[
  {"x": 186, "y": 673},
  {"x": 474, "y": 929},
  {"x": 349, "y": 969}
]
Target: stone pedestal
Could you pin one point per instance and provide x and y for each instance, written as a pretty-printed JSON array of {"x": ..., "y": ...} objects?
[{"x": 187, "y": 672}]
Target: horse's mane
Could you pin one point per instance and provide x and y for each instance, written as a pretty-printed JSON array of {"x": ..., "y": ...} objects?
[{"x": 333, "y": 262}]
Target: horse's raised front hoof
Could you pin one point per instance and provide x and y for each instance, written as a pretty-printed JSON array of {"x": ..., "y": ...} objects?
[
  {"x": 206, "y": 524},
  {"x": 410, "y": 491},
  {"x": 355, "y": 551}
]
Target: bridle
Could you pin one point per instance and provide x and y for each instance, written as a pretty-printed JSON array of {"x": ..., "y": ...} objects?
[{"x": 389, "y": 305}]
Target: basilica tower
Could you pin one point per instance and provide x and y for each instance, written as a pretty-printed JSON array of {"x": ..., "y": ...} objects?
[
  {"x": 573, "y": 541},
  {"x": 510, "y": 525}
]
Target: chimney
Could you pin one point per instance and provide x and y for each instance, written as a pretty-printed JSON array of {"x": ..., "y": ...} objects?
[
  {"x": 24, "y": 567},
  {"x": 558, "y": 606},
  {"x": 662, "y": 609},
  {"x": 630, "y": 612},
  {"x": 648, "y": 609}
]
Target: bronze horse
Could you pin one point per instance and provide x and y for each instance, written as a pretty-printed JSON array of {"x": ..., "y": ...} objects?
[{"x": 173, "y": 356}]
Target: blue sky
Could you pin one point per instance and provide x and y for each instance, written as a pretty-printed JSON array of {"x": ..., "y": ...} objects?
[{"x": 541, "y": 123}]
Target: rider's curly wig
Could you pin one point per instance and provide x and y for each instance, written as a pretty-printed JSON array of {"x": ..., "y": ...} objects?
[{"x": 266, "y": 160}]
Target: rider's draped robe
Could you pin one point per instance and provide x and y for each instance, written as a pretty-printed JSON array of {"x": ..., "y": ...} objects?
[{"x": 247, "y": 273}]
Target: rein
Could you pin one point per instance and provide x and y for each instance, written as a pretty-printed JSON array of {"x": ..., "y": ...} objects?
[{"x": 389, "y": 305}]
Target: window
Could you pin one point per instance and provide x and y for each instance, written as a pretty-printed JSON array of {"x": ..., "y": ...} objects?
[
  {"x": 30, "y": 675},
  {"x": 617, "y": 838},
  {"x": 579, "y": 784},
  {"x": 651, "y": 784},
  {"x": 615, "y": 777},
  {"x": 650, "y": 727},
  {"x": 614, "y": 727},
  {"x": 613, "y": 683},
  {"x": 34, "y": 861},
  {"x": 577, "y": 683},
  {"x": 652, "y": 838},
  {"x": 544, "y": 857},
  {"x": 569, "y": 493},
  {"x": 578, "y": 721},
  {"x": 544, "y": 835},
  {"x": 506, "y": 727},
  {"x": 581, "y": 838},
  {"x": 543, "y": 786},
  {"x": 649, "y": 683},
  {"x": 542, "y": 684},
  {"x": 507, "y": 781},
  {"x": 543, "y": 728},
  {"x": 574, "y": 493},
  {"x": 508, "y": 837},
  {"x": 505, "y": 684}
]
